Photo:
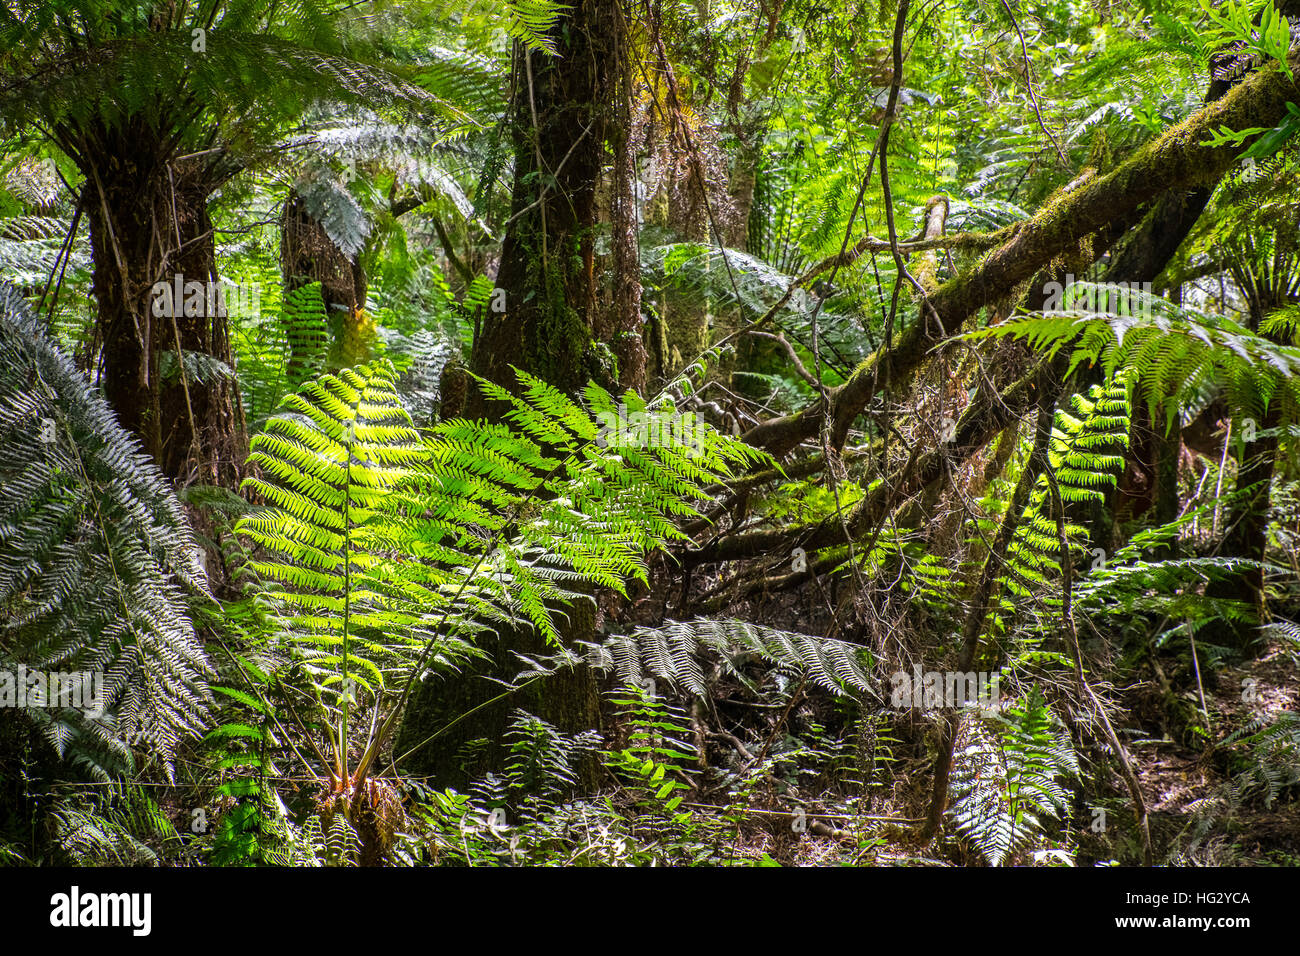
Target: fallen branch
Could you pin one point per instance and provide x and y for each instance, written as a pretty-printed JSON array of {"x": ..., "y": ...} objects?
[{"x": 986, "y": 416}]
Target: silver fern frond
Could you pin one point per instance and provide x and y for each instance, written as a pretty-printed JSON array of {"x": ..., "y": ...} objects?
[{"x": 97, "y": 560}]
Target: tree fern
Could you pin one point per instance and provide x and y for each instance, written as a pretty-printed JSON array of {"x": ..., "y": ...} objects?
[
  {"x": 139, "y": 71},
  {"x": 331, "y": 204},
  {"x": 421, "y": 358},
  {"x": 328, "y": 465},
  {"x": 528, "y": 21},
  {"x": 413, "y": 159},
  {"x": 97, "y": 560},
  {"x": 696, "y": 267}
]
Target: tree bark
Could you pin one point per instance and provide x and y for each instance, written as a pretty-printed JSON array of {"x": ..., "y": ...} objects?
[
  {"x": 570, "y": 111},
  {"x": 453, "y": 732},
  {"x": 566, "y": 113},
  {"x": 148, "y": 223},
  {"x": 307, "y": 255}
]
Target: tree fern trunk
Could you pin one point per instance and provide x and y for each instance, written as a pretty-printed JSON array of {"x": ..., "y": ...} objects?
[
  {"x": 148, "y": 223},
  {"x": 569, "y": 111},
  {"x": 307, "y": 254},
  {"x": 216, "y": 454}
]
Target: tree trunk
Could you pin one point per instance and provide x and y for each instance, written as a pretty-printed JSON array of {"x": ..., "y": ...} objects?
[
  {"x": 148, "y": 224},
  {"x": 307, "y": 255},
  {"x": 567, "y": 109},
  {"x": 682, "y": 329},
  {"x": 570, "y": 112}
]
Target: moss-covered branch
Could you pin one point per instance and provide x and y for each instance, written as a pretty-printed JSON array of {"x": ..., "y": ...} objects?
[{"x": 1178, "y": 160}]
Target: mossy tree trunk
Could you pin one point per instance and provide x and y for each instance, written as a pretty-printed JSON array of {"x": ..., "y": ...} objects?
[
  {"x": 569, "y": 114},
  {"x": 446, "y": 739},
  {"x": 570, "y": 122},
  {"x": 682, "y": 328}
]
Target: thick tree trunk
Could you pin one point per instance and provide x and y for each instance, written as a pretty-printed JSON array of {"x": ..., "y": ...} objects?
[
  {"x": 570, "y": 112},
  {"x": 567, "y": 109},
  {"x": 148, "y": 224},
  {"x": 202, "y": 421}
]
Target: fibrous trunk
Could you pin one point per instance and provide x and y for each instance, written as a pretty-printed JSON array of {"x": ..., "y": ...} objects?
[
  {"x": 149, "y": 225},
  {"x": 570, "y": 113}
]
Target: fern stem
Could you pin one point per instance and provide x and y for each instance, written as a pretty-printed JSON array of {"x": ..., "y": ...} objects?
[
  {"x": 348, "y": 435},
  {"x": 1218, "y": 481},
  {"x": 1196, "y": 666},
  {"x": 984, "y": 589}
]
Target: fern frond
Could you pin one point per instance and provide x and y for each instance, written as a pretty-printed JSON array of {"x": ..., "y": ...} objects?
[
  {"x": 1172, "y": 353},
  {"x": 672, "y": 653},
  {"x": 96, "y": 559},
  {"x": 1007, "y": 772},
  {"x": 239, "y": 72},
  {"x": 1086, "y": 454}
]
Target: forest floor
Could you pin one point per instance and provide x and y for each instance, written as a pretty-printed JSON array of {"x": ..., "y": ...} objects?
[
  {"x": 1188, "y": 788},
  {"x": 1188, "y": 770}
]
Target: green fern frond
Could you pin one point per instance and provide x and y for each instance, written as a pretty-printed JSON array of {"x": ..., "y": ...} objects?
[
  {"x": 1086, "y": 454},
  {"x": 1127, "y": 585},
  {"x": 237, "y": 72},
  {"x": 1007, "y": 773},
  {"x": 328, "y": 465},
  {"x": 306, "y": 332},
  {"x": 382, "y": 549},
  {"x": 1273, "y": 752},
  {"x": 1172, "y": 353},
  {"x": 542, "y": 760},
  {"x": 119, "y": 825},
  {"x": 329, "y": 203}
]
